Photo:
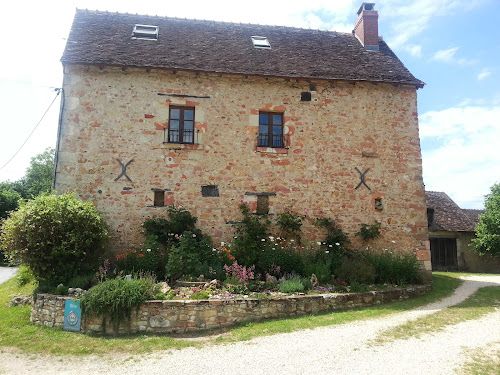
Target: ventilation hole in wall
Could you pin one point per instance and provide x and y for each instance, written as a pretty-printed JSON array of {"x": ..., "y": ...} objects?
[
  {"x": 210, "y": 191},
  {"x": 305, "y": 96},
  {"x": 262, "y": 205},
  {"x": 379, "y": 205},
  {"x": 159, "y": 200}
]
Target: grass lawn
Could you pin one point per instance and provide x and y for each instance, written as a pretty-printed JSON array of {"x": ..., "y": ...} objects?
[{"x": 17, "y": 332}]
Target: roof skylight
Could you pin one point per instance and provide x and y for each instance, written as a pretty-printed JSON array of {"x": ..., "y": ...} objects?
[
  {"x": 260, "y": 42},
  {"x": 145, "y": 32}
]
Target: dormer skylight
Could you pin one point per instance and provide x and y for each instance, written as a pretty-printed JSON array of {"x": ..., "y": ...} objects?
[
  {"x": 260, "y": 42},
  {"x": 145, "y": 32}
]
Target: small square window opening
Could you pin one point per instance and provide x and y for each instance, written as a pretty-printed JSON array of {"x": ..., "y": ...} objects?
[
  {"x": 379, "y": 205},
  {"x": 145, "y": 32},
  {"x": 305, "y": 96},
  {"x": 159, "y": 199},
  {"x": 260, "y": 42},
  {"x": 210, "y": 191},
  {"x": 262, "y": 205}
]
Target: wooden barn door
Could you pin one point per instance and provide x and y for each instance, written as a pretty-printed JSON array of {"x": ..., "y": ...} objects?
[{"x": 444, "y": 254}]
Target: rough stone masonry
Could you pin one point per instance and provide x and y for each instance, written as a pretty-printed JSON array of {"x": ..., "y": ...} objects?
[{"x": 112, "y": 152}]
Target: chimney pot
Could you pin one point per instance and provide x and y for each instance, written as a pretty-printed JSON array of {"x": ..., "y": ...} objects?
[{"x": 366, "y": 28}]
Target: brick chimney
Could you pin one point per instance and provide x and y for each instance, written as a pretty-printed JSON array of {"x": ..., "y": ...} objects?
[{"x": 366, "y": 28}]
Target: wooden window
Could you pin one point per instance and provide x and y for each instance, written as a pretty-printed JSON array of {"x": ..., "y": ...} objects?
[
  {"x": 262, "y": 205},
  {"x": 159, "y": 200},
  {"x": 430, "y": 217},
  {"x": 181, "y": 125},
  {"x": 270, "y": 129}
]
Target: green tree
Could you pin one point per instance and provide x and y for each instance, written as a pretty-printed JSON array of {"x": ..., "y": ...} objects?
[
  {"x": 488, "y": 229},
  {"x": 8, "y": 202},
  {"x": 39, "y": 174}
]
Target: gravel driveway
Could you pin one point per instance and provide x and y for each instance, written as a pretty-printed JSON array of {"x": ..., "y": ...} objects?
[{"x": 341, "y": 349}]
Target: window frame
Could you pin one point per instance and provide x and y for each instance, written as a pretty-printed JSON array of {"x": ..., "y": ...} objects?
[
  {"x": 181, "y": 131},
  {"x": 270, "y": 125}
]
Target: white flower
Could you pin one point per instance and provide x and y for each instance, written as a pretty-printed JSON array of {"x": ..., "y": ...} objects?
[
  {"x": 327, "y": 252},
  {"x": 319, "y": 243},
  {"x": 194, "y": 235},
  {"x": 148, "y": 250},
  {"x": 271, "y": 238},
  {"x": 263, "y": 239},
  {"x": 336, "y": 243},
  {"x": 330, "y": 245},
  {"x": 292, "y": 240},
  {"x": 393, "y": 241},
  {"x": 222, "y": 243}
]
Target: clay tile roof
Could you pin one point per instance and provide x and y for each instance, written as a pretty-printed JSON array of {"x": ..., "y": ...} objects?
[
  {"x": 104, "y": 38},
  {"x": 473, "y": 214},
  {"x": 448, "y": 216}
]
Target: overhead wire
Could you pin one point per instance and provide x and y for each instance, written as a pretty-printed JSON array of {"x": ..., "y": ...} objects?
[{"x": 36, "y": 126}]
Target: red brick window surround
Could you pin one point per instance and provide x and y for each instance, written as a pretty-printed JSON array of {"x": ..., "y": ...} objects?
[
  {"x": 181, "y": 125},
  {"x": 271, "y": 130}
]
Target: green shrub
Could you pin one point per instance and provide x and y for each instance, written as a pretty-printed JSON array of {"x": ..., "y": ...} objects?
[
  {"x": 260, "y": 286},
  {"x": 81, "y": 281},
  {"x": 356, "y": 287},
  {"x": 290, "y": 223},
  {"x": 24, "y": 276},
  {"x": 335, "y": 239},
  {"x": 9, "y": 201},
  {"x": 291, "y": 286},
  {"x": 57, "y": 237},
  {"x": 369, "y": 231},
  {"x": 168, "y": 231},
  {"x": 186, "y": 258},
  {"x": 200, "y": 295},
  {"x": 61, "y": 290},
  {"x": 285, "y": 259},
  {"x": 356, "y": 269},
  {"x": 116, "y": 298},
  {"x": 251, "y": 237},
  {"x": 395, "y": 269}
]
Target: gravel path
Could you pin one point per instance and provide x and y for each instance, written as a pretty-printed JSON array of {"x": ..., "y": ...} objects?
[
  {"x": 6, "y": 273},
  {"x": 342, "y": 349}
]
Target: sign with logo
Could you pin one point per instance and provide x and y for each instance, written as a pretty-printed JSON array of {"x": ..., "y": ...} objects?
[{"x": 72, "y": 316}]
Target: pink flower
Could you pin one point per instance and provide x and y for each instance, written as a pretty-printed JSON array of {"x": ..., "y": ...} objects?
[{"x": 378, "y": 220}]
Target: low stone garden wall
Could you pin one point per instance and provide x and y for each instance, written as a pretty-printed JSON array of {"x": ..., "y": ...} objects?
[{"x": 180, "y": 316}]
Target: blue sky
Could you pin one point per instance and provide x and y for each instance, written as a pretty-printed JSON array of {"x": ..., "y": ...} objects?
[{"x": 452, "y": 45}]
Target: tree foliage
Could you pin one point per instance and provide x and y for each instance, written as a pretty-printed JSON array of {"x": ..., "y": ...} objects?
[
  {"x": 38, "y": 177},
  {"x": 57, "y": 237},
  {"x": 488, "y": 229},
  {"x": 8, "y": 202}
]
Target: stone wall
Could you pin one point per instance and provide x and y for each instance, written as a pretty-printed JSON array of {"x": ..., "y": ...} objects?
[
  {"x": 113, "y": 115},
  {"x": 198, "y": 315}
]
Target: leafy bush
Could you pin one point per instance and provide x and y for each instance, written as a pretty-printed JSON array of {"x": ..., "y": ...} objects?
[
  {"x": 200, "y": 295},
  {"x": 57, "y": 237},
  {"x": 336, "y": 240},
  {"x": 291, "y": 286},
  {"x": 186, "y": 258},
  {"x": 395, "y": 269},
  {"x": 24, "y": 276},
  {"x": 290, "y": 223},
  {"x": 488, "y": 228},
  {"x": 9, "y": 201},
  {"x": 250, "y": 233},
  {"x": 285, "y": 259},
  {"x": 357, "y": 287},
  {"x": 116, "y": 298},
  {"x": 369, "y": 231},
  {"x": 356, "y": 269},
  {"x": 81, "y": 281},
  {"x": 168, "y": 231},
  {"x": 242, "y": 274}
]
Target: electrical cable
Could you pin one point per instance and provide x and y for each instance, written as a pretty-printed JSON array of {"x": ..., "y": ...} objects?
[{"x": 29, "y": 136}]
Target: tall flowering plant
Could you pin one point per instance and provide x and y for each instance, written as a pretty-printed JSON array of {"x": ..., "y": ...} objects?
[
  {"x": 241, "y": 273},
  {"x": 370, "y": 231}
]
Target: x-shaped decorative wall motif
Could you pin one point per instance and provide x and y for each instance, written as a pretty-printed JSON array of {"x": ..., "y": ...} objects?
[
  {"x": 124, "y": 170},
  {"x": 362, "y": 175}
]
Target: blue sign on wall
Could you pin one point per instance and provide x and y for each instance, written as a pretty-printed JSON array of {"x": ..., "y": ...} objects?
[{"x": 72, "y": 316}]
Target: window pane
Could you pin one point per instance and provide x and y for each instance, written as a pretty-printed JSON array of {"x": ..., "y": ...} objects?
[
  {"x": 277, "y": 119},
  {"x": 263, "y": 119},
  {"x": 174, "y": 124},
  {"x": 188, "y": 114},
  {"x": 175, "y": 113},
  {"x": 188, "y": 125},
  {"x": 188, "y": 136},
  {"x": 277, "y": 130},
  {"x": 263, "y": 129},
  {"x": 173, "y": 136}
]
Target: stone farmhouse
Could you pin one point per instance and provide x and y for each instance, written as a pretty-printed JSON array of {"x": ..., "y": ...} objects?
[
  {"x": 451, "y": 230},
  {"x": 159, "y": 111}
]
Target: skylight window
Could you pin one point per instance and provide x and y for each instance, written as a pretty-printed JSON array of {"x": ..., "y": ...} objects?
[
  {"x": 145, "y": 32},
  {"x": 260, "y": 42}
]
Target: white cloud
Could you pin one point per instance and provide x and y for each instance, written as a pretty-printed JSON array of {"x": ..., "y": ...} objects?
[
  {"x": 414, "y": 50},
  {"x": 466, "y": 161},
  {"x": 485, "y": 73},
  {"x": 446, "y": 55}
]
